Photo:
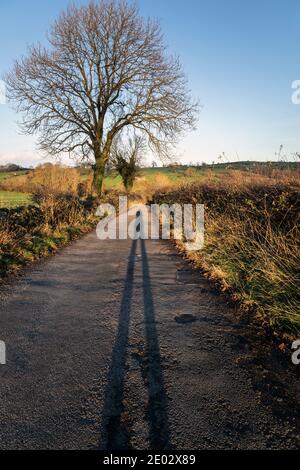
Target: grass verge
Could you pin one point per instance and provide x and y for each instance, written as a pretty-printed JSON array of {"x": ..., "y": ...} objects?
[
  {"x": 29, "y": 233},
  {"x": 252, "y": 246}
]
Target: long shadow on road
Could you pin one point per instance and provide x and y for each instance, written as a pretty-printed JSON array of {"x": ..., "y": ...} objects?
[
  {"x": 115, "y": 435},
  {"x": 157, "y": 405}
]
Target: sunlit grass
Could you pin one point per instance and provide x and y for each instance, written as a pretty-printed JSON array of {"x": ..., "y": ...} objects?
[
  {"x": 252, "y": 242},
  {"x": 10, "y": 174},
  {"x": 12, "y": 199}
]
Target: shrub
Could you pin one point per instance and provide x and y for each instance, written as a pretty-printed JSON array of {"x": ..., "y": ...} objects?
[
  {"x": 27, "y": 233},
  {"x": 48, "y": 178},
  {"x": 252, "y": 245},
  {"x": 190, "y": 172}
]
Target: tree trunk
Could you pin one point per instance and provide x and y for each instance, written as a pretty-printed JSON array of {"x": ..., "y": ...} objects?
[{"x": 99, "y": 171}]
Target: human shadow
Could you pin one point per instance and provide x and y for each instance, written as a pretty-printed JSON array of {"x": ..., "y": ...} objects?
[
  {"x": 115, "y": 433},
  {"x": 157, "y": 405}
]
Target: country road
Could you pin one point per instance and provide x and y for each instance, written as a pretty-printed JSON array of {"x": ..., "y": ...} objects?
[{"x": 120, "y": 345}]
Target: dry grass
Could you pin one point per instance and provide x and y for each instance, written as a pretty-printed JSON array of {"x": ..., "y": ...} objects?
[
  {"x": 146, "y": 187},
  {"x": 50, "y": 178},
  {"x": 28, "y": 233},
  {"x": 252, "y": 245},
  {"x": 143, "y": 189}
]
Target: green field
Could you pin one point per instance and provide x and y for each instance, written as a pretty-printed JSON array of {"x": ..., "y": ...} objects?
[
  {"x": 113, "y": 180},
  {"x": 10, "y": 199},
  {"x": 4, "y": 176},
  {"x": 149, "y": 177},
  {"x": 10, "y": 174},
  {"x": 14, "y": 199}
]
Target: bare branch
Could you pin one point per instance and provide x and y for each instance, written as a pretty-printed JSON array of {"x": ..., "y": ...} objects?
[{"x": 106, "y": 69}]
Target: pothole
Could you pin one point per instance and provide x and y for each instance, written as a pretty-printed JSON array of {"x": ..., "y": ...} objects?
[{"x": 185, "y": 318}]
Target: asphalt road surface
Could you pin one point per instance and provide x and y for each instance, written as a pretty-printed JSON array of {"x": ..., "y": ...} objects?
[{"x": 120, "y": 345}]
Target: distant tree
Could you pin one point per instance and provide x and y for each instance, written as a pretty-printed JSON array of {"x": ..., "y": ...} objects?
[
  {"x": 105, "y": 70},
  {"x": 11, "y": 167},
  {"x": 127, "y": 158}
]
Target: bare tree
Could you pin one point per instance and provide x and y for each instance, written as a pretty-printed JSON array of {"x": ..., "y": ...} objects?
[{"x": 106, "y": 69}]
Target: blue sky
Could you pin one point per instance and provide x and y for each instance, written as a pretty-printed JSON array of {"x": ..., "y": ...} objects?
[{"x": 241, "y": 58}]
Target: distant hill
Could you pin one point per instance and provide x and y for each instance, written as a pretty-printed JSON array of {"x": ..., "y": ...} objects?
[{"x": 251, "y": 165}]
